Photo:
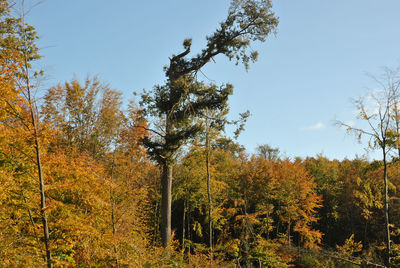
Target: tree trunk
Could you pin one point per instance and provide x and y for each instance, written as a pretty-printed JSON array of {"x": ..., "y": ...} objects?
[
  {"x": 114, "y": 228},
  {"x": 189, "y": 230},
  {"x": 267, "y": 226},
  {"x": 183, "y": 224},
  {"x": 166, "y": 202},
  {"x": 397, "y": 122},
  {"x": 386, "y": 208},
  {"x": 288, "y": 232},
  {"x": 43, "y": 202},
  {"x": 38, "y": 163},
  {"x": 209, "y": 192},
  {"x": 156, "y": 220},
  {"x": 36, "y": 145}
]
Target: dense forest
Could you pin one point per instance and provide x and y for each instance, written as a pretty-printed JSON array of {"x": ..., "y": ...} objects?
[{"x": 87, "y": 180}]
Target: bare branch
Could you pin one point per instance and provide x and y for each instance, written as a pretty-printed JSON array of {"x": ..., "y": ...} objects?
[
  {"x": 353, "y": 129},
  {"x": 149, "y": 129}
]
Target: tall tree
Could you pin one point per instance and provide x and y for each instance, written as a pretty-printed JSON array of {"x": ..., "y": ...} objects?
[
  {"x": 391, "y": 79},
  {"x": 182, "y": 98},
  {"x": 377, "y": 109},
  {"x": 28, "y": 35},
  {"x": 18, "y": 38}
]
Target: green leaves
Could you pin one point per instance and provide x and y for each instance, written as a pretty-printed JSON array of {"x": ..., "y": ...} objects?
[{"x": 177, "y": 103}]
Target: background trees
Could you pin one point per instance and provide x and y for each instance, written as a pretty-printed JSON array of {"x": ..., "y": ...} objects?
[{"x": 88, "y": 116}]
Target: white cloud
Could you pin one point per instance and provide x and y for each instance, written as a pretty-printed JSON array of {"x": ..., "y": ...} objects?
[{"x": 316, "y": 126}]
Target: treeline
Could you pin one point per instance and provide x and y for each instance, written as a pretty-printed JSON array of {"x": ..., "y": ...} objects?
[
  {"x": 82, "y": 179},
  {"x": 103, "y": 194}
]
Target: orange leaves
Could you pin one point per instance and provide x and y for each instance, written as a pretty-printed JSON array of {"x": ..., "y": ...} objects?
[
  {"x": 285, "y": 189},
  {"x": 309, "y": 237},
  {"x": 77, "y": 201}
]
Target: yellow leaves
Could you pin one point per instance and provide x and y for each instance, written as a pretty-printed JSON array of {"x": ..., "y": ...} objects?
[
  {"x": 270, "y": 253},
  {"x": 247, "y": 219},
  {"x": 369, "y": 193},
  {"x": 350, "y": 246},
  {"x": 196, "y": 226},
  {"x": 232, "y": 248}
]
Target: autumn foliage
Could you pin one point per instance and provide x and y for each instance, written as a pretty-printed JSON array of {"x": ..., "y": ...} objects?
[{"x": 102, "y": 183}]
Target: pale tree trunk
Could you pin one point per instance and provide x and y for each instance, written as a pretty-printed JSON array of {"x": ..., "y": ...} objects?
[
  {"x": 41, "y": 180},
  {"x": 386, "y": 207},
  {"x": 288, "y": 231},
  {"x": 37, "y": 153},
  {"x": 40, "y": 172},
  {"x": 183, "y": 224},
  {"x": 114, "y": 228},
  {"x": 156, "y": 220},
  {"x": 245, "y": 234},
  {"x": 166, "y": 202},
  {"x": 189, "y": 231},
  {"x": 166, "y": 189},
  {"x": 209, "y": 192},
  {"x": 42, "y": 197},
  {"x": 397, "y": 122}
]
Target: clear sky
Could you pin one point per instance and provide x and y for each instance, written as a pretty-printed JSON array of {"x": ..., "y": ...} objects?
[{"x": 305, "y": 77}]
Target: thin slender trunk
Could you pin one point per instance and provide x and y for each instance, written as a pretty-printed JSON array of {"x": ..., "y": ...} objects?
[
  {"x": 189, "y": 230},
  {"x": 246, "y": 234},
  {"x": 397, "y": 122},
  {"x": 277, "y": 227},
  {"x": 209, "y": 191},
  {"x": 365, "y": 232},
  {"x": 267, "y": 226},
  {"x": 166, "y": 202},
  {"x": 42, "y": 199},
  {"x": 156, "y": 220},
  {"x": 113, "y": 210},
  {"x": 32, "y": 221},
  {"x": 386, "y": 208},
  {"x": 30, "y": 216},
  {"x": 41, "y": 180},
  {"x": 38, "y": 159},
  {"x": 183, "y": 224}
]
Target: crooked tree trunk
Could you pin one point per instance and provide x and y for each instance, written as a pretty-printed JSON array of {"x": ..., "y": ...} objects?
[{"x": 166, "y": 202}]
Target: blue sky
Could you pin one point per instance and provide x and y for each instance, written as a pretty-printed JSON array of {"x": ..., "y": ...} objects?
[{"x": 304, "y": 79}]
